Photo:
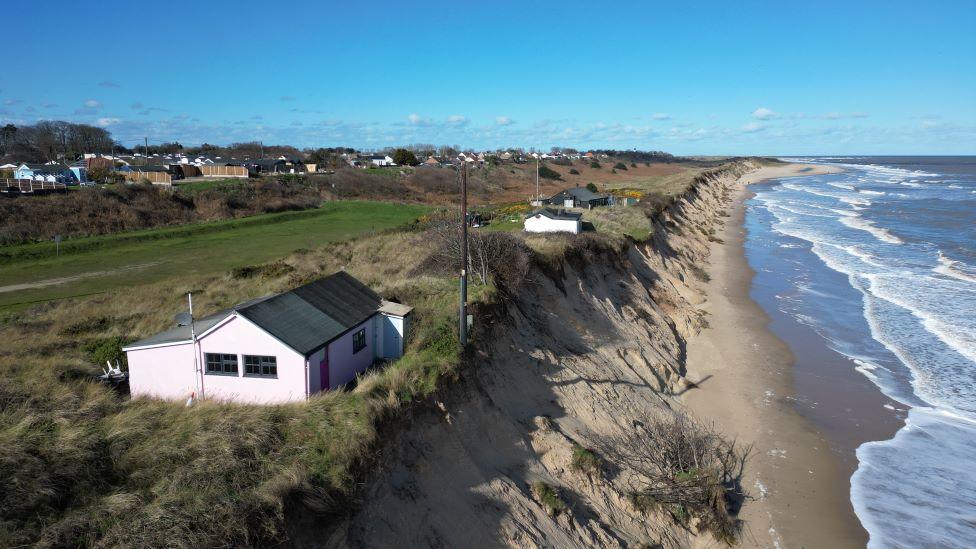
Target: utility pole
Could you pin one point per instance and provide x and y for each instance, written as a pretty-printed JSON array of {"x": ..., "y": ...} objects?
[
  {"x": 536, "y": 180},
  {"x": 463, "y": 314},
  {"x": 147, "y": 150}
]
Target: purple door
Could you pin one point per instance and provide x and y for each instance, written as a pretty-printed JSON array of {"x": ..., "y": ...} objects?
[{"x": 324, "y": 370}]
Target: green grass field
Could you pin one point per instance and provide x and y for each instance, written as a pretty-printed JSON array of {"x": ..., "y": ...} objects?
[{"x": 96, "y": 264}]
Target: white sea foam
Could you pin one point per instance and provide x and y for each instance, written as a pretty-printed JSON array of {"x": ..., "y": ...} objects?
[
  {"x": 921, "y": 310},
  {"x": 875, "y": 193},
  {"x": 954, "y": 269},
  {"x": 864, "y": 225},
  {"x": 917, "y": 489}
]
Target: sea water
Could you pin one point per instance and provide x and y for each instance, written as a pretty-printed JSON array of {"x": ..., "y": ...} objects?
[{"x": 881, "y": 261}]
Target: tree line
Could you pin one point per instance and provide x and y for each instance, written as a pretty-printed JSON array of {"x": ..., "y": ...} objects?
[{"x": 49, "y": 140}]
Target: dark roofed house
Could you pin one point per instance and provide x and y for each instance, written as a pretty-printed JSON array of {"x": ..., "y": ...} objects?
[
  {"x": 278, "y": 348},
  {"x": 550, "y": 220},
  {"x": 579, "y": 197}
]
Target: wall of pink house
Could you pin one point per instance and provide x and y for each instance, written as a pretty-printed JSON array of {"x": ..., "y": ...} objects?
[
  {"x": 240, "y": 337},
  {"x": 162, "y": 372},
  {"x": 344, "y": 364}
]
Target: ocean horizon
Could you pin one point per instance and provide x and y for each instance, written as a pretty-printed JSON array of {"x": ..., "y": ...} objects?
[{"x": 880, "y": 261}]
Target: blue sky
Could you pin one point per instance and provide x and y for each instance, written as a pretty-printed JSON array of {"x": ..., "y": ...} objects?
[{"x": 689, "y": 78}]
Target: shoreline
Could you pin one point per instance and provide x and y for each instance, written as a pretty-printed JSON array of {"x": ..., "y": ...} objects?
[{"x": 798, "y": 474}]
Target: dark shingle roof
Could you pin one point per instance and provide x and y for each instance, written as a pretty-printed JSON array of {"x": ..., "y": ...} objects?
[
  {"x": 48, "y": 168},
  {"x": 581, "y": 193},
  {"x": 304, "y": 318},
  {"x": 315, "y": 313},
  {"x": 556, "y": 214}
]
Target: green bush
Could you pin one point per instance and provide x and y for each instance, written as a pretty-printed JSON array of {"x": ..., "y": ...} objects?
[
  {"x": 404, "y": 157},
  {"x": 549, "y": 498},
  {"x": 546, "y": 172},
  {"x": 620, "y": 166},
  {"x": 591, "y": 187},
  {"x": 595, "y": 165},
  {"x": 105, "y": 350},
  {"x": 574, "y": 171},
  {"x": 584, "y": 461}
]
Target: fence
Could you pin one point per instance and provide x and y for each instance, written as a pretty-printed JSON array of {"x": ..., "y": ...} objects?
[
  {"x": 30, "y": 186},
  {"x": 223, "y": 171},
  {"x": 156, "y": 178}
]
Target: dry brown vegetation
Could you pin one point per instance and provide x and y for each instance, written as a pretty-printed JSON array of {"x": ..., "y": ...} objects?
[
  {"x": 685, "y": 469},
  {"x": 117, "y": 208}
]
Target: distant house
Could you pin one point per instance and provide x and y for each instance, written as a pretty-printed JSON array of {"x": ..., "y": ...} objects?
[
  {"x": 548, "y": 220},
  {"x": 505, "y": 156},
  {"x": 381, "y": 160},
  {"x": 578, "y": 197},
  {"x": 50, "y": 173},
  {"x": 431, "y": 161},
  {"x": 280, "y": 348},
  {"x": 79, "y": 171}
]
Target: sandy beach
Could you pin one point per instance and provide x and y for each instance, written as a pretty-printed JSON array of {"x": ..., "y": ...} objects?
[{"x": 798, "y": 483}]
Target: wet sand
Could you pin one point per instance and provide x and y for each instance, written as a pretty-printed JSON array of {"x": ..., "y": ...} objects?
[{"x": 803, "y": 417}]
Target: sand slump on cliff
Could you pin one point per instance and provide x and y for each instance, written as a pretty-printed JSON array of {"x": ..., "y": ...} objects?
[{"x": 594, "y": 344}]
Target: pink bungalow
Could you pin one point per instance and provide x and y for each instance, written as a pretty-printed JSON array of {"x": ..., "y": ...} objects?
[{"x": 279, "y": 348}]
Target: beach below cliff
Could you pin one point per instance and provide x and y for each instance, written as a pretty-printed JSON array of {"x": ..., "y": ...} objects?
[{"x": 798, "y": 473}]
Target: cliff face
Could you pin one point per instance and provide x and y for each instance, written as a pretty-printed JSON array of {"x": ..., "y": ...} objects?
[{"x": 582, "y": 354}]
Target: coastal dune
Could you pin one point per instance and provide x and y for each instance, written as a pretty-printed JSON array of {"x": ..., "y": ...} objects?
[{"x": 593, "y": 347}]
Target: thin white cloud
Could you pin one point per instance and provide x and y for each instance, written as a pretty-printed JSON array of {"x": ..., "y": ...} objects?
[
  {"x": 93, "y": 104},
  {"x": 753, "y": 127},
  {"x": 417, "y": 120},
  {"x": 661, "y": 116},
  {"x": 762, "y": 113},
  {"x": 457, "y": 120},
  {"x": 105, "y": 122},
  {"x": 504, "y": 121}
]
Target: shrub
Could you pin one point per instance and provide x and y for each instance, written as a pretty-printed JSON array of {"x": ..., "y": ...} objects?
[
  {"x": 546, "y": 172},
  {"x": 404, "y": 157},
  {"x": 633, "y": 164},
  {"x": 574, "y": 171},
  {"x": 105, "y": 350},
  {"x": 686, "y": 469},
  {"x": 591, "y": 187},
  {"x": 620, "y": 166},
  {"x": 700, "y": 273},
  {"x": 562, "y": 162},
  {"x": 595, "y": 165},
  {"x": 655, "y": 203},
  {"x": 584, "y": 461},
  {"x": 548, "y": 497}
]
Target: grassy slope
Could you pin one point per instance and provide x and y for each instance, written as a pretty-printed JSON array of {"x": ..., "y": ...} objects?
[
  {"x": 79, "y": 464},
  {"x": 149, "y": 256}
]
